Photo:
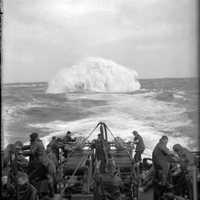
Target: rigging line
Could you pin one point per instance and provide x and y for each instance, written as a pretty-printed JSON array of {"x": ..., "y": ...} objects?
[
  {"x": 81, "y": 143},
  {"x": 118, "y": 142}
]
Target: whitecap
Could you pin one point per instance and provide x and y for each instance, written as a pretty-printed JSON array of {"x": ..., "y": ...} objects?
[{"x": 94, "y": 75}]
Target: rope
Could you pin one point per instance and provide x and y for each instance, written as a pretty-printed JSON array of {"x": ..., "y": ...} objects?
[
  {"x": 134, "y": 173},
  {"x": 61, "y": 163},
  {"x": 130, "y": 157},
  {"x": 85, "y": 139},
  {"x": 77, "y": 167}
]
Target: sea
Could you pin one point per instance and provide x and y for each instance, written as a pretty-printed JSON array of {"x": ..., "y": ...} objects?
[{"x": 160, "y": 107}]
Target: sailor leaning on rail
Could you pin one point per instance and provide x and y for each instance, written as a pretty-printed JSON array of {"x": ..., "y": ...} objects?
[
  {"x": 187, "y": 164},
  {"x": 168, "y": 180}
]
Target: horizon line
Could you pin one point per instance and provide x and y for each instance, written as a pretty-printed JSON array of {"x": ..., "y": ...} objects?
[{"x": 191, "y": 77}]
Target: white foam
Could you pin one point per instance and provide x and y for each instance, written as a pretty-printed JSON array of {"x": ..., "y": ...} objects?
[
  {"x": 95, "y": 75},
  {"x": 120, "y": 123}
]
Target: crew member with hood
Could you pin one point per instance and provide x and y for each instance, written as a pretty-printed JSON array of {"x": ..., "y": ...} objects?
[
  {"x": 68, "y": 138},
  {"x": 140, "y": 147},
  {"x": 36, "y": 151},
  {"x": 161, "y": 158},
  {"x": 38, "y": 169},
  {"x": 187, "y": 162},
  {"x": 55, "y": 147}
]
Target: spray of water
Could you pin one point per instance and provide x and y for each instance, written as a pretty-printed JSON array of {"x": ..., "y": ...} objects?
[{"x": 94, "y": 75}]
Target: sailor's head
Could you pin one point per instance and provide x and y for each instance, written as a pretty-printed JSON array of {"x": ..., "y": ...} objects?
[
  {"x": 177, "y": 148},
  {"x": 54, "y": 138},
  {"x": 100, "y": 136},
  {"x": 22, "y": 178},
  {"x": 68, "y": 133},
  {"x": 33, "y": 136},
  {"x": 4, "y": 180},
  {"x": 164, "y": 139},
  {"x": 18, "y": 150},
  {"x": 18, "y": 147},
  {"x": 48, "y": 149},
  {"x": 18, "y": 144},
  {"x": 135, "y": 133},
  {"x": 10, "y": 148}
]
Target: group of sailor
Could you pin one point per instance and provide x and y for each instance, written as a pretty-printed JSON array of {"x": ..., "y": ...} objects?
[
  {"x": 35, "y": 178},
  {"x": 163, "y": 162}
]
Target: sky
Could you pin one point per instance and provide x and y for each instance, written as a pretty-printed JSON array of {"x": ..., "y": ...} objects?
[{"x": 157, "y": 38}]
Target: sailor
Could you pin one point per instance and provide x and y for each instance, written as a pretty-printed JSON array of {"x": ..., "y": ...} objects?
[
  {"x": 20, "y": 162},
  {"x": 36, "y": 150},
  {"x": 51, "y": 155},
  {"x": 38, "y": 169},
  {"x": 187, "y": 159},
  {"x": 8, "y": 157},
  {"x": 52, "y": 167},
  {"x": 68, "y": 138},
  {"x": 26, "y": 191},
  {"x": 101, "y": 148},
  {"x": 54, "y": 146},
  {"x": 187, "y": 163},
  {"x": 161, "y": 158},
  {"x": 140, "y": 147},
  {"x": 7, "y": 190}
]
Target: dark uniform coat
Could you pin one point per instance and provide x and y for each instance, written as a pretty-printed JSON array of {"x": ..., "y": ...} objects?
[
  {"x": 36, "y": 152},
  {"x": 139, "y": 143},
  {"x": 101, "y": 149},
  {"x": 140, "y": 147},
  {"x": 161, "y": 162},
  {"x": 161, "y": 155}
]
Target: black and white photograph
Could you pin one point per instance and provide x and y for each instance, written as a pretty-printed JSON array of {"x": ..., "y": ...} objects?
[{"x": 99, "y": 100}]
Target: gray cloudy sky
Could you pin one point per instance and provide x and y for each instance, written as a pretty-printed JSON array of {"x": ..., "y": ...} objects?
[{"x": 157, "y": 38}]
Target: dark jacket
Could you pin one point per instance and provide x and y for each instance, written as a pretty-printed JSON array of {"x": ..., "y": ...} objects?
[
  {"x": 21, "y": 163},
  {"x": 187, "y": 159},
  {"x": 138, "y": 140},
  {"x": 55, "y": 148},
  {"x": 161, "y": 155},
  {"x": 36, "y": 151},
  {"x": 68, "y": 138}
]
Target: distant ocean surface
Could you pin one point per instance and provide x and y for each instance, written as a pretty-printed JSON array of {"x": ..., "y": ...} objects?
[{"x": 161, "y": 107}]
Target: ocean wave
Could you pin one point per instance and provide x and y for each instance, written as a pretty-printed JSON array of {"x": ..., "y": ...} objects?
[
  {"x": 170, "y": 95},
  {"x": 94, "y": 75},
  {"x": 165, "y": 96},
  {"x": 24, "y": 85},
  {"x": 121, "y": 125}
]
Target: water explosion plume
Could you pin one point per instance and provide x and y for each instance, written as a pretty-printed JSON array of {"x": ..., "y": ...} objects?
[{"x": 94, "y": 75}]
